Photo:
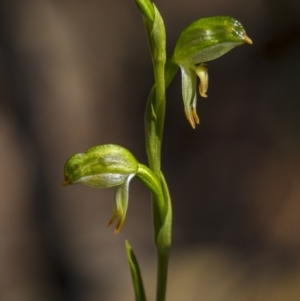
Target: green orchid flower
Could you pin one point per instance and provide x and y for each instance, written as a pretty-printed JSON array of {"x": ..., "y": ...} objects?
[
  {"x": 106, "y": 166},
  {"x": 204, "y": 40}
]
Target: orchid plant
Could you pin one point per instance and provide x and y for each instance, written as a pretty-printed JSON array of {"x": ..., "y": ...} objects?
[{"x": 112, "y": 165}]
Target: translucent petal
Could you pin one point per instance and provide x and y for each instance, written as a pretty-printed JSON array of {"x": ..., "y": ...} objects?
[
  {"x": 189, "y": 94},
  {"x": 104, "y": 180},
  {"x": 121, "y": 204},
  {"x": 201, "y": 71}
]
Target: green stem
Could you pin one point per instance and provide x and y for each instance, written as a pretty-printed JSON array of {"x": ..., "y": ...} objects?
[
  {"x": 164, "y": 72},
  {"x": 155, "y": 115},
  {"x": 163, "y": 244},
  {"x": 162, "y": 275},
  {"x": 154, "y": 125}
]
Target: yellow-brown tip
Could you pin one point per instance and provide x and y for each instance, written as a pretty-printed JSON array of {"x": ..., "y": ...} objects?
[
  {"x": 119, "y": 224},
  {"x": 248, "y": 40},
  {"x": 111, "y": 221},
  {"x": 190, "y": 119},
  {"x": 195, "y": 116},
  {"x": 65, "y": 183}
]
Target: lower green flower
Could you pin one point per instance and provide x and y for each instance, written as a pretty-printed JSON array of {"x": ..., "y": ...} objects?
[
  {"x": 104, "y": 166},
  {"x": 111, "y": 165}
]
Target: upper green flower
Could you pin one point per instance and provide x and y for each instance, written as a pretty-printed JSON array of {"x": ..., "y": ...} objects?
[{"x": 204, "y": 40}]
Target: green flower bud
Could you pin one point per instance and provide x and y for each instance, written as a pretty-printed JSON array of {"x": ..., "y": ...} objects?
[
  {"x": 204, "y": 40},
  {"x": 104, "y": 166}
]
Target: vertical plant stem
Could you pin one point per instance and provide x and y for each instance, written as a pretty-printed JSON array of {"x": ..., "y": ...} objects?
[
  {"x": 154, "y": 126},
  {"x": 162, "y": 275}
]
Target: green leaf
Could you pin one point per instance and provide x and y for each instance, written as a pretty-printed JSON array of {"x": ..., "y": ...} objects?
[{"x": 135, "y": 274}]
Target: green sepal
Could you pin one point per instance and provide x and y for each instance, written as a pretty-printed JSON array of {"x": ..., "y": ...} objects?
[
  {"x": 207, "y": 39},
  {"x": 135, "y": 274},
  {"x": 101, "y": 166}
]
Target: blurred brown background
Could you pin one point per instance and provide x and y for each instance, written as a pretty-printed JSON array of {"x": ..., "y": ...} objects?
[{"x": 74, "y": 74}]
